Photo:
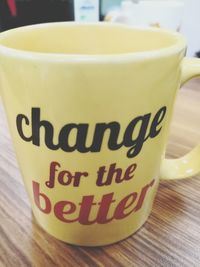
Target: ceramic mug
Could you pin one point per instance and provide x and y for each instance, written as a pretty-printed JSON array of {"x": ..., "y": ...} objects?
[{"x": 89, "y": 108}]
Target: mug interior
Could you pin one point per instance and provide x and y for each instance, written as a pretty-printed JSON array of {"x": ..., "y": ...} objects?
[{"x": 88, "y": 39}]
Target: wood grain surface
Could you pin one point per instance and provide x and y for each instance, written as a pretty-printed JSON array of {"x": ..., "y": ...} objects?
[{"x": 170, "y": 238}]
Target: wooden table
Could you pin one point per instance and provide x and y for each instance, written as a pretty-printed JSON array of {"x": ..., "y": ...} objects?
[{"x": 170, "y": 238}]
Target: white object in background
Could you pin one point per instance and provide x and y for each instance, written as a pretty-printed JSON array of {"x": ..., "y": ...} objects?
[
  {"x": 122, "y": 14},
  {"x": 86, "y": 10},
  {"x": 191, "y": 25},
  {"x": 163, "y": 13},
  {"x": 125, "y": 14}
]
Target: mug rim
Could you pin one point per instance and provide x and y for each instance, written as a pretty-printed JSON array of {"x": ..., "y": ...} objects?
[{"x": 177, "y": 47}]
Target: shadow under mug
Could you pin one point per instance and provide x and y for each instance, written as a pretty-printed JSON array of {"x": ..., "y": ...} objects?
[{"x": 89, "y": 108}]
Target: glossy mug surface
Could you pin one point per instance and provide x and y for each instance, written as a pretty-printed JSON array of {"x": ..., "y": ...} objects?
[{"x": 89, "y": 107}]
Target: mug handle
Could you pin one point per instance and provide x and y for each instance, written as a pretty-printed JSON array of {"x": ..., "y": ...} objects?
[{"x": 188, "y": 165}]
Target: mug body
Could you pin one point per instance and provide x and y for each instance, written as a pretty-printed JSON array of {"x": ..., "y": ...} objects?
[{"x": 89, "y": 107}]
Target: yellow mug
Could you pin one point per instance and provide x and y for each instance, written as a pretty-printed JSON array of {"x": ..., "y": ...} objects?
[{"x": 89, "y": 108}]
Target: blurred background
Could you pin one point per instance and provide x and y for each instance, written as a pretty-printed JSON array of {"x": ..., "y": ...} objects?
[{"x": 178, "y": 15}]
